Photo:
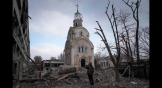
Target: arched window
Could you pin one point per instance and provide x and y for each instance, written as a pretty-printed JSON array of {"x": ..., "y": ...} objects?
[
  {"x": 81, "y": 33},
  {"x": 79, "y": 48},
  {"x": 76, "y": 23},
  {"x": 85, "y": 49},
  {"x": 82, "y": 48}
]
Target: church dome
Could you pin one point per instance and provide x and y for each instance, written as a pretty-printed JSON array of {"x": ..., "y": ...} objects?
[{"x": 78, "y": 15}]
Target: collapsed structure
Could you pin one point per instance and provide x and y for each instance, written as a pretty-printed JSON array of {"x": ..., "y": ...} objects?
[{"x": 20, "y": 39}]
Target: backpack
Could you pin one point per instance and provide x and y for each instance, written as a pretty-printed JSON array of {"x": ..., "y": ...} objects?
[{"x": 91, "y": 70}]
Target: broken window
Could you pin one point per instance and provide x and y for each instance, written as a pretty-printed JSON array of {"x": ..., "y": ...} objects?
[
  {"x": 59, "y": 65},
  {"x": 47, "y": 64},
  {"x": 55, "y": 65},
  {"x": 47, "y": 68}
]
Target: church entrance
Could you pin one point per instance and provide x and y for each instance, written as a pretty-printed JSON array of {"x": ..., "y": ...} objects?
[{"x": 82, "y": 62}]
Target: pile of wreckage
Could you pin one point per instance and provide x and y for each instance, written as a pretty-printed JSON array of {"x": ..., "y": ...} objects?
[{"x": 79, "y": 79}]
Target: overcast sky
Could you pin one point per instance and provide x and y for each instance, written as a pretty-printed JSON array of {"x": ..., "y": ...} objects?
[{"x": 51, "y": 20}]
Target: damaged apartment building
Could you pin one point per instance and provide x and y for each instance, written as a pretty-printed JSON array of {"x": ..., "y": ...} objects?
[{"x": 20, "y": 38}]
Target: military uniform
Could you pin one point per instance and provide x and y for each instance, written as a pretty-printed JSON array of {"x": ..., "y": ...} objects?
[{"x": 90, "y": 71}]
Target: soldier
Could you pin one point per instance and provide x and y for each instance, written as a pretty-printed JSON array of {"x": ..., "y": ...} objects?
[{"x": 90, "y": 71}]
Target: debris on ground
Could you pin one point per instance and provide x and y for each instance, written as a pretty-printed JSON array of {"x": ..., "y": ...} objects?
[{"x": 101, "y": 78}]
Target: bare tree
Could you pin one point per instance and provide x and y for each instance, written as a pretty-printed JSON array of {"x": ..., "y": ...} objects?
[
  {"x": 38, "y": 59},
  {"x": 97, "y": 57},
  {"x": 53, "y": 58},
  {"x": 116, "y": 36},
  {"x": 61, "y": 56},
  {"x": 135, "y": 10},
  {"x": 123, "y": 18},
  {"x": 144, "y": 41}
]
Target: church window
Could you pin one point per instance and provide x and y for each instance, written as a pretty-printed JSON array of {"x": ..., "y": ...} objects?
[
  {"x": 82, "y": 48},
  {"x": 76, "y": 24},
  {"x": 81, "y": 33},
  {"x": 85, "y": 49},
  {"x": 79, "y": 49}
]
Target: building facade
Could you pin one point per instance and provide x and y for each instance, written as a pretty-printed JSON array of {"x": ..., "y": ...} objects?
[
  {"x": 20, "y": 38},
  {"x": 104, "y": 63},
  {"x": 49, "y": 65},
  {"x": 107, "y": 62},
  {"x": 79, "y": 50}
]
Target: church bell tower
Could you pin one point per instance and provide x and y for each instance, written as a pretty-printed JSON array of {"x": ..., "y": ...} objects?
[{"x": 77, "y": 22}]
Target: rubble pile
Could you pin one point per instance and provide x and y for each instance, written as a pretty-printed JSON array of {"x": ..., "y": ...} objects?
[{"x": 102, "y": 79}]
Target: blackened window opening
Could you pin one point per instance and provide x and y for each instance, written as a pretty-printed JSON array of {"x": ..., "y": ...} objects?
[
  {"x": 46, "y": 68},
  {"x": 47, "y": 64}
]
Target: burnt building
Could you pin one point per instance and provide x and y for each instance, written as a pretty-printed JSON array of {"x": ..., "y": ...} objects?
[
  {"x": 20, "y": 38},
  {"x": 51, "y": 65}
]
